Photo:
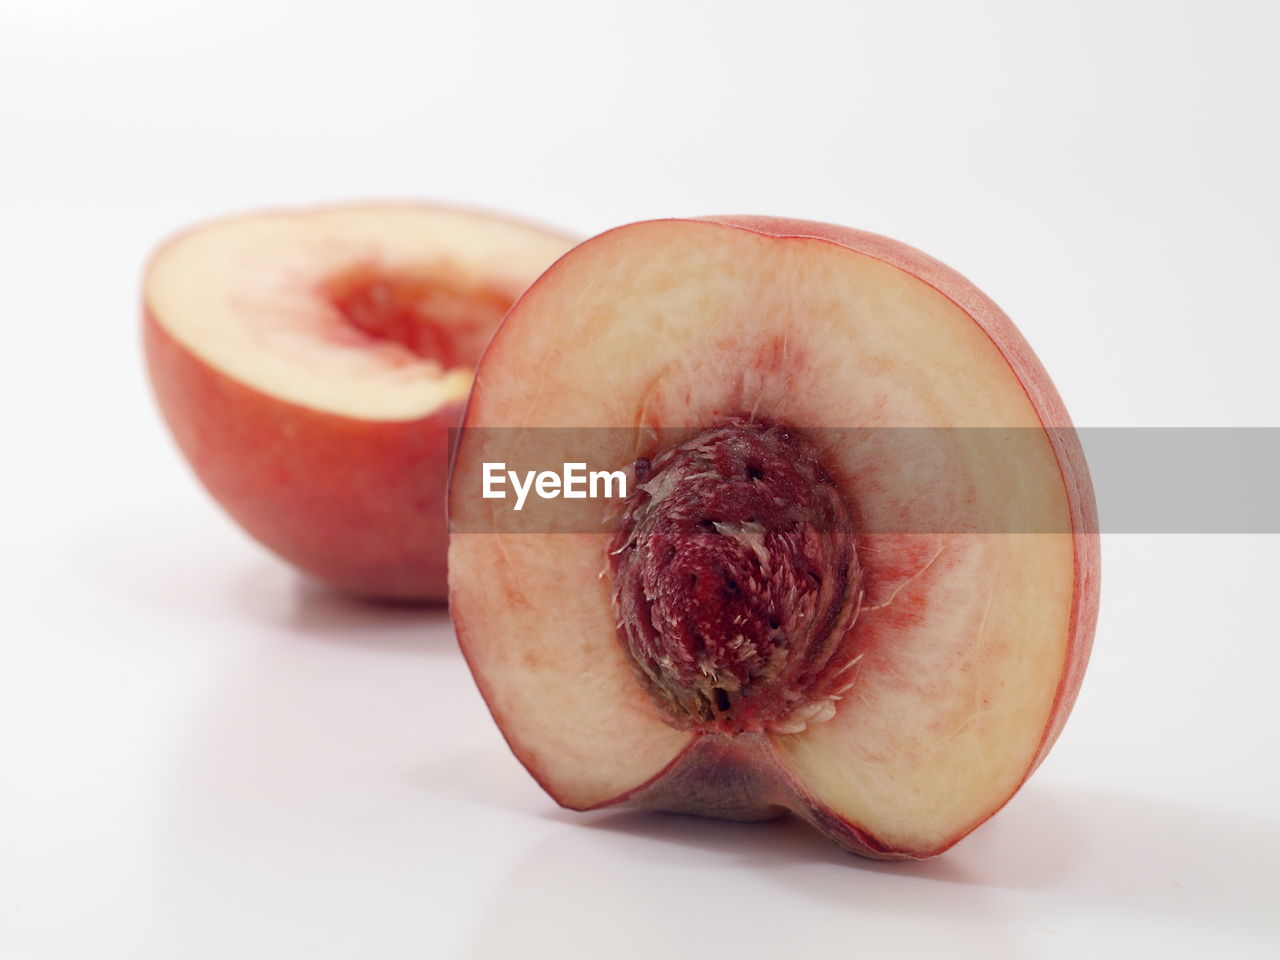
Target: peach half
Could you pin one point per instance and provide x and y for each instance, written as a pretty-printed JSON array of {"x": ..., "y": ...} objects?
[
  {"x": 855, "y": 572},
  {"x": 310, "y": 365}
]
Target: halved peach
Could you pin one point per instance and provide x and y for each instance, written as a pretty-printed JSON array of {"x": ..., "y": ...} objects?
[
  {"x": 855, "y": 574},
  {"x": 311, "y": 363}
]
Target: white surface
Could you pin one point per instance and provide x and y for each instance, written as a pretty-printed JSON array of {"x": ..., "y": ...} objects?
[{"x": 202, "y": 757}]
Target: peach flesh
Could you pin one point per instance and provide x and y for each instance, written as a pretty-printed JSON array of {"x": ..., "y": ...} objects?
[
  {"x": 970, "y": 646},
  {"x": 423, "y": 312}
]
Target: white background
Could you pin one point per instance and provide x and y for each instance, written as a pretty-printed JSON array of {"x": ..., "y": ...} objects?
[{"x": 202, "y": 756}]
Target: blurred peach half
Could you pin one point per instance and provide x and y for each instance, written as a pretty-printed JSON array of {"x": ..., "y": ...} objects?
[{"x": 310, "y": 364}]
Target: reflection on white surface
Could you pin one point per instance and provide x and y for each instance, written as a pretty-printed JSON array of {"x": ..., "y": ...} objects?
[
  {"x": 254, "y": 766},
  {"x": 1061, "y": 868}
]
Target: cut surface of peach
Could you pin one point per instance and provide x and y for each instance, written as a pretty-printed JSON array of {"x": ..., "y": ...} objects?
[
  {"x": 377, "y": 312},
  {"x": 310, "y": 364},
  {"x": 892, "y": 674}
]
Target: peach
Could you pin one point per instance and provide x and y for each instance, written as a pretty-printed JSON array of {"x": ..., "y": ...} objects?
[
  {"x": 855, "y": 571},
  {"x": 310, "y": 365}
]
